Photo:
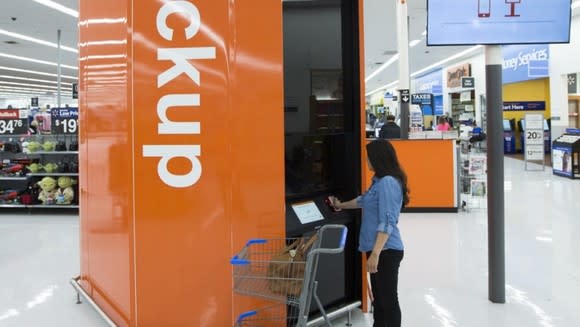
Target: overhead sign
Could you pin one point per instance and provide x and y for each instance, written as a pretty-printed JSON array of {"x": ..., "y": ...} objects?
[
  {"x": 65, "y": 121},
  {"x": 405, "y": 95},
  {"x": 75, "y": 91},
  {"x": 422, "y": 99},
  {"x": 456, "y": 73},
  {"x": 524, "y": 106},
  {"x": 452, "y": 22},
  {"x": 534, "y": 137},
  {"x": 34, "y": 102},
  {"x": 572, "y": 83},
  {"x": 525, "y": 62},
  {"x": 430, "y": 83},
  {"x": 468, "y": 82},
  {"x": 13, "y": 122}
]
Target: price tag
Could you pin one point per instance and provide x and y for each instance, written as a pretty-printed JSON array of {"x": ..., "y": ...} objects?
[
  {"x": 65, "y": 121},
  {"x": 13, "y": 122}
]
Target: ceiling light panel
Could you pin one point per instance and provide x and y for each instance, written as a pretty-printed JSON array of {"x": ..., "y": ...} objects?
[
  {"x": 31, "y": 85},
  {"x": 32, "y": 79},
  {"x": 44, "y": 62},
  {"x": 37, "y": 41},
  {"x": 12, "y": 69},
  {"x": 59, "y": 7}
]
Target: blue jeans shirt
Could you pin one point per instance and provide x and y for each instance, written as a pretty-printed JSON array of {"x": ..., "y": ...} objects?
[{"x": 381, "y": 206}]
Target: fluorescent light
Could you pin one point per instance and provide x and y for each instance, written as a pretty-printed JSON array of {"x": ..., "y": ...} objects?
[
  {"x": 31, "y": 85},
  {"x": 59, "y": 7},
  {"x": 30, "y": 90},
  {"x": 384, "y": 87},
  {"x": 32, "y": 79},
  {"x": 35, "y": 72},
  {"x": 430, "y": 67},
  {"x": 383, "y": 67},
  {"x": 49, "y": 63},
  {"x": 414, "y": 43},
  {"x": 38, "y": 41},
  {"x": 444, "y": 61}
]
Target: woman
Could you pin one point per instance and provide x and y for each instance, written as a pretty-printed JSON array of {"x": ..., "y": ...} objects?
[
  {"x": 380, "y": 238},
  {"x": 442, "y": 124}
]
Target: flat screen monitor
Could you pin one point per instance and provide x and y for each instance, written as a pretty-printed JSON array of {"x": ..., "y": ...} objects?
[
  {"x": 546, "y": 127},
  {"x": 523, "y": 124},
  {"x": 506, "y": 126},
  {"x": 453, "y": 22}
]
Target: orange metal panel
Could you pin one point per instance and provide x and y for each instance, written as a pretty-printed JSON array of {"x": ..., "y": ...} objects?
[
  {"x": 430, "y": 169},
  {"x": 361, "y": 29},
  {"x": 105, "y": 186},
  {"x": 156, "y": 243}
]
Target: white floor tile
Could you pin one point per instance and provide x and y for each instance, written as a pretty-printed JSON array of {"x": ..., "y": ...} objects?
[{"x": 443, "y": 278}]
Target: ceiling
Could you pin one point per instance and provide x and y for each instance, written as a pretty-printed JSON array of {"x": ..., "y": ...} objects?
[{"x": 38, "y": 21}]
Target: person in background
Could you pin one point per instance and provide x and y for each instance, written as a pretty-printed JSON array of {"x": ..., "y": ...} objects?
[
  {"x": 477, "y": 134},
  {"x": 442, "y": 124},
  {"x": 380, "y": 237},
  {"x": 449, "y": 119},
  {"x": 390, "y": 129}
]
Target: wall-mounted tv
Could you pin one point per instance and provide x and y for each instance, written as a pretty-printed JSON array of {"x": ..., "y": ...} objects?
[{"x": 471, "y": 22}]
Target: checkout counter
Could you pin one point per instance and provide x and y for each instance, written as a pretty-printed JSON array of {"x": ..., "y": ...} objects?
[{"x": 431, "y": 168}]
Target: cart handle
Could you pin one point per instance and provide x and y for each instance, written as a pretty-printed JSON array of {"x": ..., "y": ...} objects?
[
  {"x": 337, "y": 250},
  {"x": 246, "y": 315}
]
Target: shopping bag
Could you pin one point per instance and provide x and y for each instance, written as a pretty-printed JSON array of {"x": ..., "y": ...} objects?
[{"x": 286, "y": 268}]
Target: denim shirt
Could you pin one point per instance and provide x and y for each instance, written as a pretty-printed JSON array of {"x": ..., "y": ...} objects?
[{"x": 381, "y": 206}]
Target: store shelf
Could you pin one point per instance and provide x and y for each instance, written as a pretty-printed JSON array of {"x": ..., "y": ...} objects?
[
  {"x": 54, "y": 152},
  {"x": 39, "y": 206},
  {"x": 13, "y": 178},
  {"x": 51, "y": 174}
]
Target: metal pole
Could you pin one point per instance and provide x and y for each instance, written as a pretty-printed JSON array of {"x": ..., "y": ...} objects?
[
  {"x": 495, "y": 174},
  {"x": 403, "y": 47},
  {"x": 58, "y": 72}
]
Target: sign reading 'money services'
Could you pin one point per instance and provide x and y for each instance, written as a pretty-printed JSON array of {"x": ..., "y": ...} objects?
[{"x": 181, "y": 58}]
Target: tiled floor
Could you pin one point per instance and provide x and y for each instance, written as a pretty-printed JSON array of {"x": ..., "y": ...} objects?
[{"x": 443, "y": 278}]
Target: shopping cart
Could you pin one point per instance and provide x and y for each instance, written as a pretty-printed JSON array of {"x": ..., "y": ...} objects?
[{"x": 259, "y": 272}]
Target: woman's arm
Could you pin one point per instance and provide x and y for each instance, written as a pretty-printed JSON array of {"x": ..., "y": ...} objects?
[
  {"x": 352, "y": 204},
  {"x": 373, "y": 260}
]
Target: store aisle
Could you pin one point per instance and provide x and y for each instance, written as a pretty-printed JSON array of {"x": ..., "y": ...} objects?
[
  {"x": 443, "y": 276},
  {"x": 38, "y": 256}
]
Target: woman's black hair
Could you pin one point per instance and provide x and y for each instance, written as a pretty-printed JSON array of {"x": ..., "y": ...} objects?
[{"x": 383, "y": 158}]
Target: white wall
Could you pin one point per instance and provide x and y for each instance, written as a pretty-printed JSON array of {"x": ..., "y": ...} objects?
[
  {"x": 477, "y": 63},
  {"x": 564, "y": 60}
]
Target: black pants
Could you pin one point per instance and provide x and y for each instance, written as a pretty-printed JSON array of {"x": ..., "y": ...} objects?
[{"x": 387, "y": 312}]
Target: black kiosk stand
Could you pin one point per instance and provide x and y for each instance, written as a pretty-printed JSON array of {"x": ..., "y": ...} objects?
[
  {"x": 323, "y": 135},
  {"x": 566, "y": 154}
]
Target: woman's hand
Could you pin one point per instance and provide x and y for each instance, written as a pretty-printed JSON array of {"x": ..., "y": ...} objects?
[
  {"x": 373, "y": 263},
  {"x": 335, "y": 203}
]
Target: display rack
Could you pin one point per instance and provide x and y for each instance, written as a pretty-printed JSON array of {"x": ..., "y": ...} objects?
[
  {"x": 566, "y": 154},
  {"x": 473, "y": 176},
  {"x": 29, "y": 155}
]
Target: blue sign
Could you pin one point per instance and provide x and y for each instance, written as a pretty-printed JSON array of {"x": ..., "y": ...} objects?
[
  {"x": 64, "y": 121},
  {"x": 524, "y": 106},
  {"x": 452, "y": 22},
  {"x": 525, "y": 62},
  {"x": 562, "y": 161},
  {"x": 431, "y": 83}
]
